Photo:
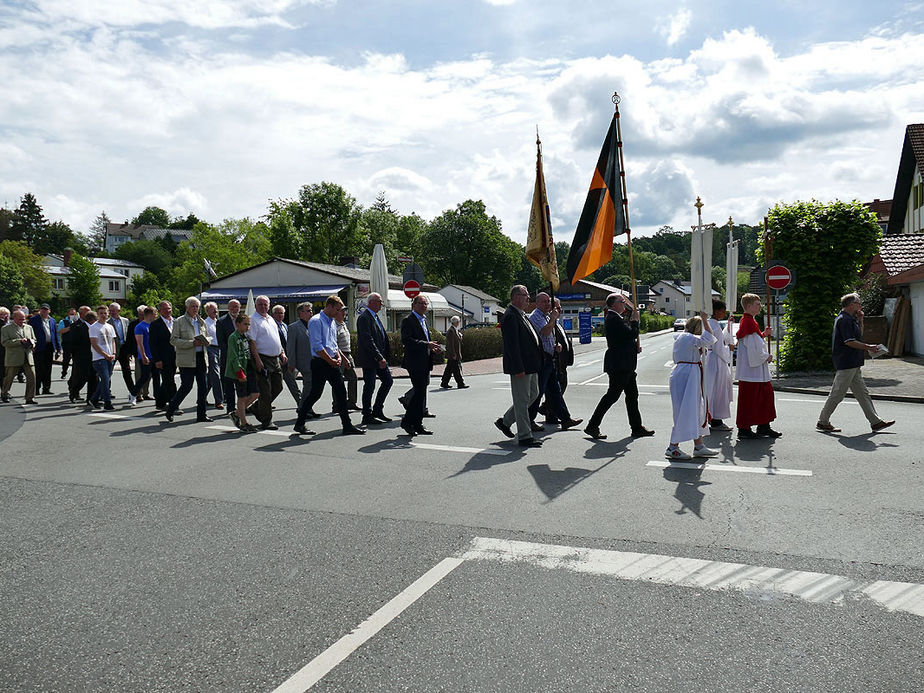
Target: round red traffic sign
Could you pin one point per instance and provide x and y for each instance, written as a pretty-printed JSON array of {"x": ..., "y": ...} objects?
[
  {"x": 779, "y": 277},
  {"x": 411, "y": 288}
]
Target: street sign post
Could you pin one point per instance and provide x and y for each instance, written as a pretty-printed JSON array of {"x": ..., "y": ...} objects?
[
  {"x": 413, "y": 272},
  {"x": 779, "y": 277},
  {"x": 411, "y": 288}
]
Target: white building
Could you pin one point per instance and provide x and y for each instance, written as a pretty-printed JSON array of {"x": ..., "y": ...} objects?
[
  {"x": 117, "y": 234},
  {"x": 114, "y": 276},
  {"x": 472, "y": 304},
  {"x": 673, "y": 298}
]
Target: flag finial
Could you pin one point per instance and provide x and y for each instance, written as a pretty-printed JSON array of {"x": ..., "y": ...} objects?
[
  {"x": 616, "y": 98},
  {"x": 699, "y": 204}
]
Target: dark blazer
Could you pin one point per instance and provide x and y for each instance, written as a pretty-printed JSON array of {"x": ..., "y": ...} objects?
[
  {"x": 224, "y": 328},
  {"x": 621, "y": 348},
  {"x": 36, "y": 322},
  {"x": 80, "y": 344},
  {"x": 128, "y": 345},
  {"x": 416, "y": 347},
  {"x": 562, "y": 338},
  {"x": 522, "y": 350},
  {"x": 372, "y": 344},
  {"x": 159, "y": 340}
]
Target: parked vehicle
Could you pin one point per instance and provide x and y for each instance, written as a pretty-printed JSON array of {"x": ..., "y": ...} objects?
[{"x": 679, "y": 324}]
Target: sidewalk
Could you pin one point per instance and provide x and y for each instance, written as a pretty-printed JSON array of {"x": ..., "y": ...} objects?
[{"x": 892, "y": 379}]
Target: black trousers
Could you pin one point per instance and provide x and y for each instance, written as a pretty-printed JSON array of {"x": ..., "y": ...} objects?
[
  {"x": 125, "y": 364},
  {"x": 43, "y": 362},
  {"x": 322, "y": 372},
  {"x": 453, "y": 370},
  {"x": 620, "y": 382},
  {"x": 164, "y": 383},
  {"x": 82, "y": 373},
  {"x": 65, "y": 358},
  {"x": 199, "y": 375},
  {"x": 417, "y": 404},
  {"x": 227, "y": 384},
  {"x": 369, "y": 377}
]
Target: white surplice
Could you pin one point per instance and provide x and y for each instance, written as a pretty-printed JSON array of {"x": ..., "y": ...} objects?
[
  {"x": 717, "y": 361},
  {"x": 752, "y": 365},
  {"x": 686, "y": 386}
]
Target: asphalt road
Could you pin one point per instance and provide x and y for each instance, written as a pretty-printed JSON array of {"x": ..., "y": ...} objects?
[{"x": 142, "y": 555}]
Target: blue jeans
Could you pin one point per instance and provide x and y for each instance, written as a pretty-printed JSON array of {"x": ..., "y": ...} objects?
[{"x": 103, "y": 370}]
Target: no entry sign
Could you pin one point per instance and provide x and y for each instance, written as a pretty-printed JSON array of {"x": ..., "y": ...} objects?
[
  {"x": 778, "y": 277},
  {"x": 411, "y": 288}
]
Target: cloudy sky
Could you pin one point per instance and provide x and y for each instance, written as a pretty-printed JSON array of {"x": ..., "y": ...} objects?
[{"x": 216, "y": 106}]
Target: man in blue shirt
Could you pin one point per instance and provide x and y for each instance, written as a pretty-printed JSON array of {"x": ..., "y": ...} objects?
[
  {"x": 325, "y": 367},
  {"x": 848, "y": 351}
]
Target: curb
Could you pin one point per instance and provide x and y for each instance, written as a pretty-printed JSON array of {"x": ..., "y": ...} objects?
[{"x": 907, "y": 399}]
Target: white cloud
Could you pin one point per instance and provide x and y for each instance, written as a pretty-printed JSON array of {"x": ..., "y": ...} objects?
[{"x": 674, "y": 27}]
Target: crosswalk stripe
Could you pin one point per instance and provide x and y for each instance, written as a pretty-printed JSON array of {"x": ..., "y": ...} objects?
[
  {"x": 456, "y": 448},
  {"x": 704, "y": 466}
]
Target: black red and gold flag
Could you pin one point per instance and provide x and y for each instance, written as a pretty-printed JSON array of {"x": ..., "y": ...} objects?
[{"x": 603, "y": 216}]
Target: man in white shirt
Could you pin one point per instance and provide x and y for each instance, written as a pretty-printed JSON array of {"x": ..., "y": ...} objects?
[
  {"x": 269, "y": 360},
  {"x": 102, "y": 345},
  {"x": 214, "y": 355}
]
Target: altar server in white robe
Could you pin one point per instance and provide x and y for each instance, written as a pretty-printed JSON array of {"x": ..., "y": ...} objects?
[
  {"x": 718, "y": 360},
  {"x": 687, "y": 390}
]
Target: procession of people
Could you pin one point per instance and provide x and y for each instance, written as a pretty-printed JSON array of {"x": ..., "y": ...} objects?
[{"x": 241, "y": 361}]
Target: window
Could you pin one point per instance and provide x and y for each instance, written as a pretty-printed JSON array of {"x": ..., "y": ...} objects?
[
  {"x": 114, "y": 286},
  {"x": 60, "y": 284}
]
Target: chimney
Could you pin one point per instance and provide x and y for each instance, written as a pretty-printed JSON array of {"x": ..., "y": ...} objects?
[{"x": 68, "y": 254}]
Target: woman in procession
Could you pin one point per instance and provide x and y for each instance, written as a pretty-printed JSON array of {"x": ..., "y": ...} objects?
[{"x": 691, "y": 413}]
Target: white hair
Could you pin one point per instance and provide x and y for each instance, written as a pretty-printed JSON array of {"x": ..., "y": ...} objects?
[
  {"x": 210, "y": 304},
  {"x": 454, "y": 319},
  {"x": 192, "y": 300}
]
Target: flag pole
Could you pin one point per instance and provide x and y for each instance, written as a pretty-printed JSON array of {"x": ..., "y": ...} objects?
[
  {"x": 539, "y": 159},
  {"x": 625, "y": 198}
]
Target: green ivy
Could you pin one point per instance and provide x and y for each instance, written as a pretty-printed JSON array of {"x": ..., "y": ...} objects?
[{"x": 826, "y": 245}]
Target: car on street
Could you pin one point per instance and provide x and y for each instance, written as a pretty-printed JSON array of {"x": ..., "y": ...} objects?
[{"x": 679, "y": 324}]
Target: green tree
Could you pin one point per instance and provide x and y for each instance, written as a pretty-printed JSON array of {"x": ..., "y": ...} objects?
[
  {"x": 662, "y": 267},
  {"x": 322, "y": 225},
  {"x": 187, "y": 224},
  {"x": 466, "y": 246},
  {"x": 6, "y": 221},
  {"x": 97, "y": 236},
  {"x": 826, "y": 245},
  {"x": 719, "y": 277},
  {"x": 146, "y": 289},
  {"x": 55, "y": 237},
  {"x": 154, "y": 216},
  {"x": 28, "y": 223},
  {"x": 83, "y": 282},
  {"x": 31, "y": 268},
  {"x": 12, "y": 288},
  {"x": 149, "y": 254},
  {"x": 381, "y": 226},
  {"x": 411, "y": 229},
  {"x": 231, "y": 246}
]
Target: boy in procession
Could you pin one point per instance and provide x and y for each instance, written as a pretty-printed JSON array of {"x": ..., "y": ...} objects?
[
  {"x": 755, "y": 391},
  {"x": 691, "y": 420},
  {"x": 239, "y": 367},
  {"x": 717, "y": 362}
]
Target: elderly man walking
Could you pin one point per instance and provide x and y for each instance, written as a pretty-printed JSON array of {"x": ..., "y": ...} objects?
[
  {"x": 522, "y": 358},
  {"x": 848, "y": 352},
  {"x": 269, "y": 360},
  {"x": 190, "y": 339},
  {"x": 453, "y": 367},
  {"x": 18, "y": 339},
  {"x": 372, "y": 353}
]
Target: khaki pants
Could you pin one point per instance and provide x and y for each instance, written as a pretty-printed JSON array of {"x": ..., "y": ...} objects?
[
  {"x": 11, "y": 372},
  {"x": 848, "y": 378},
  {"x": 524, "y": 390}
]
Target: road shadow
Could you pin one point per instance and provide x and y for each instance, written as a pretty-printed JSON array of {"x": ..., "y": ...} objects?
[
  {"x": 760, "y": 450},
  {"x": 482, "y": 461},
  {"x": 864, "y": 442},
  {"x": 608, "y": 449},
  {"x": 689, "y": 490},
  {"x": 555, "y": 482}
]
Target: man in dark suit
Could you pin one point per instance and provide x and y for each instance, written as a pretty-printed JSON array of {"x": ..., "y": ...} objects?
[
  {"x": 619, "y": 363},
  {"x": 418, "y": 350},
  {"x": 82, "y": 372},
  {"x": 46, "y": 347},
  {"x": 164, "y": 355},
  {"x": 522, "y": 358},
  {"x": 224, "y": 328},
  {"x": 126, "y": 347},
  {"x": 372, "y": 353}
]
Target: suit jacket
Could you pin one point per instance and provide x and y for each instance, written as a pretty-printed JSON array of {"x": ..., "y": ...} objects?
[
  {"x": 566, "y": 355},
  {"x": 621, "y": 348},
  {"x": 159, "y": 341},
  {"x": 522, "y": 349},
  {"x": 453, "y": 343},
  {"x": 416, "y": 345},
  {"x": 183, "y": 340},
  {"x": 40, "y": 343},
  {"x": 81, "y": 352},
  {"x": 224, "y": 328},
  {"x": 10, "y": 336},
  {"x": 129, "y": 338},
  {"x": 372, "y": 344},
  {"x": 298, "y": 348}
]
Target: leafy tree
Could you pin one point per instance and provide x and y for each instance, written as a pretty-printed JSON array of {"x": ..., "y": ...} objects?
[
  {"x": 562, "y": 249},
  {"x": 145, "y": 289},
  {"x": 719, "y": 277},
  {"x": 662, "y": 267},
  {"x": 149, "y": 254},
  {"x": 54, "y": 238},
  {"x": 186, "y": 224},
  {"x": 466, "y": 246},
  {"x": 155, "y": 216},
  {"x": 31, "y": 268},
  {"x": 6, "y": 221},
  {"x": 826, "y": 245},
  {"x": 411, "y": 229},
  {"x": 382, "y": 204},
  {"x": 97, "y": 240},
  {"x": 167, "y": 243},
  {"x": 529, "y": 276},
  {"x": 83, "y": 282},
  {"x": 231, "y": 246},
  {"x": 381, "y": 226},
  {"x": 322, "y": 225},
  {"x": 12, "y": 288},
  {"x": 28, "y": 222}
]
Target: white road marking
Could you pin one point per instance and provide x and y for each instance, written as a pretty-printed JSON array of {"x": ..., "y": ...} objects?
[
  {"x": 586, "y": 363},
  {"x": 669, "y": 364},
  {"x": 318, "y": 667},
  {"x": 235, "y": 429},
  {"x": 642, "y": 385},
  {"x": 705, "y": 466},
  {"x": 107, "y": 415},
  {"x": 814, "y": 401},
  {"x": 590, "y": 380},
  {"x": 456, "y": 448},
  {"x": 817, "y": 588}
]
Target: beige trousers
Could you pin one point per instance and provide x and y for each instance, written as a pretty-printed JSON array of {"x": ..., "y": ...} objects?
[
  {"x": 524, "y": 390},
  {"x": 848, "y": 379},
  {"x": 11, "y": 372}
]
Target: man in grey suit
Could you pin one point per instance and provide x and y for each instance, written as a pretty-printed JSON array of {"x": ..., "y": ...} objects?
[{"x": 298, "y": 349}]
